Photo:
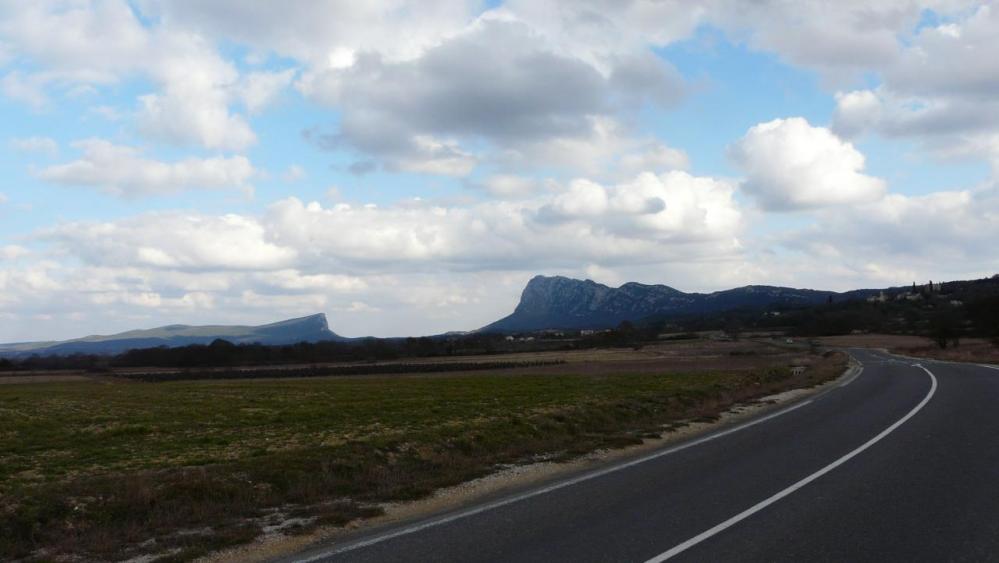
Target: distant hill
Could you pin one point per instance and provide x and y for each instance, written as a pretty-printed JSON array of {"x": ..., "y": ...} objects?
[
  {"x": 313, "y": 328},
  {"x": 565, "y": 303}
]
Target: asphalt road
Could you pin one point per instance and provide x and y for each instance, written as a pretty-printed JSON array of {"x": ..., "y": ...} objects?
[{"x": 899, "y": 464}]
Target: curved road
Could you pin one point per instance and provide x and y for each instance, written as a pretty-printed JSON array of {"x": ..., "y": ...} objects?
[{"x": 899, "y": 464}]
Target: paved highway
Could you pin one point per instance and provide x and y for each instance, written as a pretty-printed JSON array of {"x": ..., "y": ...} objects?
[{"x": 898, "y": 464}]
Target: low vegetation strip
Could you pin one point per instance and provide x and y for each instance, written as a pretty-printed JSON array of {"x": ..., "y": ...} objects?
[
  {"x": 327, "y": 371},
  {"x": 107, "y": 471}
]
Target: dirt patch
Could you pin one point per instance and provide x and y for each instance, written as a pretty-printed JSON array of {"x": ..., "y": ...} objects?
[{"x": 41, "y": 378}]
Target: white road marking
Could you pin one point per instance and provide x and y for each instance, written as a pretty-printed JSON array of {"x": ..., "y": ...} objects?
[
  {"x": 680, "y": 548},
  {"x": 988, "y": 366},
  {"x": 537, "y": 492},
  {"x": 860, "y": 370}
]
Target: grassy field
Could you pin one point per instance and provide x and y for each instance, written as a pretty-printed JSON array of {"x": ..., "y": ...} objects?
[{"x": 110, "y": 470}]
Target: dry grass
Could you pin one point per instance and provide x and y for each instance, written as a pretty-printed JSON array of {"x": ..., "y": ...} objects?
[{"x": 974, "y": 350}]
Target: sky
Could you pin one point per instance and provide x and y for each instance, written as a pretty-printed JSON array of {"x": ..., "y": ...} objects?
[{"x": 406, "y": 167}]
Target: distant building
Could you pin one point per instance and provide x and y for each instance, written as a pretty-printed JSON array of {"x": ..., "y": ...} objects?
[{"x": 879, "y": 298}]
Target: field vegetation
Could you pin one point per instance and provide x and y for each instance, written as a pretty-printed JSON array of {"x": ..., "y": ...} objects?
[{"x": 109, "y": 468}]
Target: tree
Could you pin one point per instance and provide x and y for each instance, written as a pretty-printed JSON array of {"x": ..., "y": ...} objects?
[{"x": 945, "y": 326}]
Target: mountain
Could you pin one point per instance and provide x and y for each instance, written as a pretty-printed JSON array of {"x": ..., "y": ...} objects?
[
  {"x": 565, "y": 303},
  {"x": 313, "y": 328}
]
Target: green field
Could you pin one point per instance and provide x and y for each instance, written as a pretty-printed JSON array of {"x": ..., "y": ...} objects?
[{"x": 102, "y": 468}]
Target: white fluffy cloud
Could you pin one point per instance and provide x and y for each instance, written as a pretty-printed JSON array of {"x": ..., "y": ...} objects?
[
  {"x": 123, "y": 171},
  {"x": 173, "y": 241},
  {"x": 790, "y": 164},
  {"x": 673, "y": 216}
]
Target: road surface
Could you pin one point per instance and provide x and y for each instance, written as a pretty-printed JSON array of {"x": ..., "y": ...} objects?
[{"x": 898, "y": 464}]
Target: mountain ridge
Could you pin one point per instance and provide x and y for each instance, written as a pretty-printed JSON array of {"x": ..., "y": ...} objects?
[
  {"x": 311, "y": 328},
  {"x": 559, "y": 302}
]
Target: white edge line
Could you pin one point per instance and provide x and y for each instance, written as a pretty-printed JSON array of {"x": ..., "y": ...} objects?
[
  {"x": 554, "y": 487},
  {"x": 860, "y": 370},
  {"x": 988, "y": 366},
  {"x": 680, "y": 548}
]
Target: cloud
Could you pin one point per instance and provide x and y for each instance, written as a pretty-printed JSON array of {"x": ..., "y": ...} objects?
[
  {"x": 951, "y": 58},
  {"x": 323, "y": 32},
  {"x": 123, "y": 171},
  {"x": 950, "y": 226},
  {"x": 88, "y": 45},
  {"x": 654, "y": 156},
  {"x": 941, "y": 90},
  {"x": 193, "y": 107},
  {"x": 13, "y": 252},
  {"x": 399, "y": 111},
  {"x": 509, "y": 186},
  {"x": 432, "y": 156},
  {"x": 27, "y": 89},
  {"x": 609, "y": 151},
  {"x": 645, "y": 78},
  {"x": 653, "y": 218},
  {"x": 840, "y": 39},
  {"x": 792, "y": 165},
  {"x": 941, "y": 235},
  {"x": 295, "y": 280},
  {"x": 174, "y": 241},
  {"x": 44, "y": 145},
  {"x": 464, "y": 91},
  {"x": 257, "y": 90}
]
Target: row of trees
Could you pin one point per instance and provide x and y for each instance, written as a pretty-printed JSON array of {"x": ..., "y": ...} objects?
[{"x": 222, "y": 353}]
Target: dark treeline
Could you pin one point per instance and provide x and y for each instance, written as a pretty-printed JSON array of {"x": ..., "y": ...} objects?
[
  {"x": 222, "y": 353},
  {"x": 326, "y": 371}
]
